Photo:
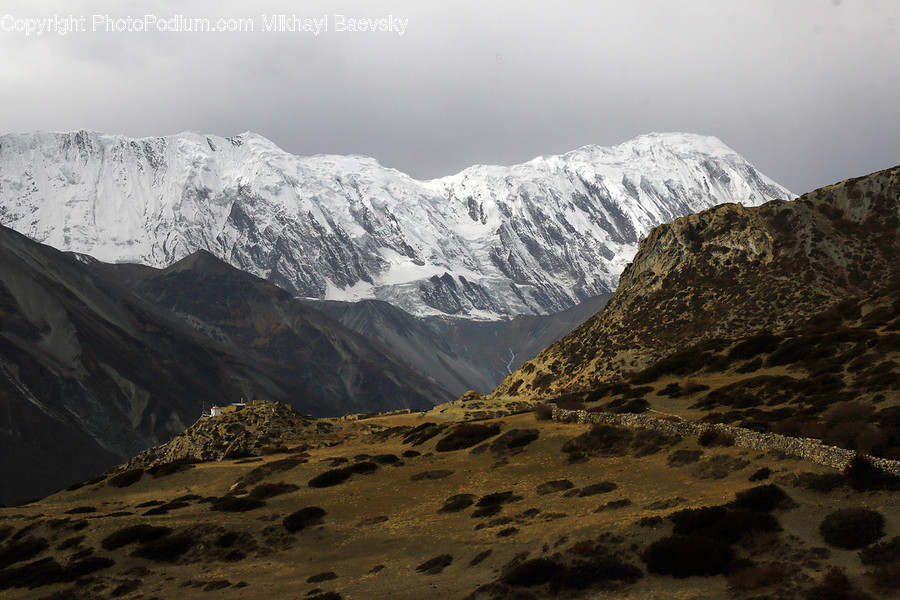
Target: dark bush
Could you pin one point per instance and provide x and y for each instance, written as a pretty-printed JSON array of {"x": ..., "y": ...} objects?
[
  {"x": 852, "y": 528},
  {"x": 714, "y": 437},
  {"x": 497, "y": 499},
  {"x": 679, "y": 458},
  {"x": 19, "y": 550},
  {"x": 543, "y": 412},
  {"x": 270, "y": 490},
  {"x": 236, "y": 504},
  {"x": 133, "y": 534},
  {"x": 761, "y": 474},
  {"x": 648, "y": 441},
  {"x": 687, "y": 556},
  {"x": 167, "y": 549},
  {"x": 581, "y": 574},
  {"x": 86, "y": 566},
  {"x": 762, "y": 498},
  {"x": 821, "y": 482},
  {"x": 330, "y": 478},
  {"x": 126, "y": 478},
  {"x": 721, "y": 522},
  {"x": 681, "y": 363},
  {"x": 435, "y": 565},
  {"x": 386, "y": 459},
  {"x": 551, "y": 487},
  {"x": 339, "y": 475},
  {"x": 325, "y": 596},
  {"x": 326, "y": 576},
  {"x": 457, "y": 503},
  {"x": 422, "y": 433},
  {"x": 436, "y": 474},
  {"x": 534, "y": 572},
  {"x": 882, "y": 552},
  {"x": 411, "y": 454},
  {"x": 761, "y": 343},
  {"x": 39, "y": 573},
  {"x": 303, "y": 518},
  {"x": 601, "y": 439},
  {"x": 864, "y": 476},
  {"x": 72, "y": 542},
  {"x": 516, "y": 438},
  {"x": 466, "y": 435},
  {"x": 635, "y": 406},
  {"x": 480, "y": 557},
  {"x": 597, "y": 488},
  {"x": 81, "y": 510},
  {"x": 176, "y": 466}
]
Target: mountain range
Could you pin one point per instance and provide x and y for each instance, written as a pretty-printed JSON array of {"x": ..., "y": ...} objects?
[{"x": 487, "y": 243}]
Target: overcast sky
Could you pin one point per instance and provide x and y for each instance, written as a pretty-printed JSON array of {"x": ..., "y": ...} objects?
[{"x": 808, "y": 91}]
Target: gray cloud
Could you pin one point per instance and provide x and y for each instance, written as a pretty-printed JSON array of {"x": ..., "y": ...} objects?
[{"x": 807, "y": 90}]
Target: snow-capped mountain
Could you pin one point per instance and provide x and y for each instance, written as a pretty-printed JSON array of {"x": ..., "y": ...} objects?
[{"x": 489, "y": 242}]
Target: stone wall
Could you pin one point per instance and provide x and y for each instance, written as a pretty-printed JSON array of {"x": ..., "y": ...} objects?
[{"x": 807, "y": 448}]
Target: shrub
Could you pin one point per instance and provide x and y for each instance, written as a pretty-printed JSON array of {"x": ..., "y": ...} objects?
[
  {"x": 721, "y": 522},
  {"x": 864, "y": 476},
  {"x": 457, "y": 503},
  {"x": 497, "y": 499},
  {"x": 516, "y": 438},
  {"x": 466, "y": 435},
  {"x": 685, "y": 556},
  {"x": 882, "y": 552},
  {"x": 762, "y": 498},
  {"x": 602, "y": 487},
  {"x": 648, "y": 441},
  {"x": 339, "y": 475},
  {"x": 761, "y": 343},
  {"x": 176, "y": 466},
  {"x": 81, "y": 510},
  {"x": 126, "y": 478},
  {"x": 761, "y": 474},
  {"x": 601, "y": 439},
  {"x": 303, "y": 518},
  {"x": 86, "y": 566},
  {"x": 386, "y": 459},
  {"x": 270, "y": 490},
  {"x": 19, "y": 550},
  {"x": 166, "y": 549},
  {"x": 532, "y": 572},
  {"x": 543, "y": 412},
  {"x": 326, "y": 576},
  {"x": 852, "y": 528},
  {"x": 236, "y": 504},
  {"x": 679, "y": 458},
  {"x": 435, "y": 474},
  {"x": 411, "y": 454},
  {"x": 141, "y": 533},
  {"x": 435, "y": 565},
  {"x": 422, "y": 433},
  {"x": 557, "y": 485},
  {"x": 754, "y": 577},
  {"x": 480, "y": 557},
  {"x": 715, "y": 437}
]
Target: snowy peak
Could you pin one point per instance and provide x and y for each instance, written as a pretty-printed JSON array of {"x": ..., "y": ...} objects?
[{"x": 485, "y": 243}]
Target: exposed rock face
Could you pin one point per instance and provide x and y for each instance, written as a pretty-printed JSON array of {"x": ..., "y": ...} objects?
[
  {"x": 727, "y": 271},
  {"x": 488, "y": 242}
]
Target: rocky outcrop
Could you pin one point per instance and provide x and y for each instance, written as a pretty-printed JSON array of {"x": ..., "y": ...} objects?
[
  {"x": 245, "y": 430},
  {"x": 728, "y": 271}
]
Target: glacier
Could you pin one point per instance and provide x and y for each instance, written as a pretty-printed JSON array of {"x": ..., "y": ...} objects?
[{"x": 487, "y": 243}]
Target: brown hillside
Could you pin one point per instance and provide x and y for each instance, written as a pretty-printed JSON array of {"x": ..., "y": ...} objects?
[{"x": 727, "y": 272}]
